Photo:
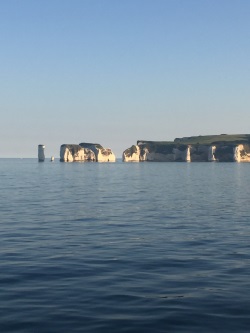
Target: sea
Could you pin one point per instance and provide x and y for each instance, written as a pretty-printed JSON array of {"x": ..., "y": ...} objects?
[{"x": 124, "y": 247}]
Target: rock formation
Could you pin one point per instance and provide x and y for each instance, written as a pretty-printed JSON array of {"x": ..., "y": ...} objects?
[
  {"x": 86, "y": 152},
  {"x": 132, "y": 154},
  {"x": 75, "y": 153},
  {"x": 211, "y": 152},
  {"x": 144, "y": 152},
  {"x": 41, "y": 155},
  {"x": 101, "y": 154},
  {"x": 220, "y": 148}
]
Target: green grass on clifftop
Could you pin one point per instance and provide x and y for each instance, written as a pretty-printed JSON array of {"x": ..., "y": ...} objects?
[
  {"x": 197, "y": 140},
  {"x": 89, "y": 145},
  {"x": 213, "y": 139}
]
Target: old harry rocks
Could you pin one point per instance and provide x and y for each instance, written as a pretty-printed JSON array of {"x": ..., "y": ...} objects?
[{"x": 86, "y": 152}]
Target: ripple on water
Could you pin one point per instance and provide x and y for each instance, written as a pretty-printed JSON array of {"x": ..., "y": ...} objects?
[{"x": 124, "y": 248}]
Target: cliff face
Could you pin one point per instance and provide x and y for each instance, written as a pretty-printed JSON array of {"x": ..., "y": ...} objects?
[
  {"x": 222, "y": 148},
  {"x": 105, "y": 155},
  {"x": 101, "y": 154},
  {"x": 75, "y": 153},
  {"x": 143, "y": 152},
  {"x": 131, "y": 154},
  {"x": 88, "y": 152},
  {"x": 242, "y": 153}
]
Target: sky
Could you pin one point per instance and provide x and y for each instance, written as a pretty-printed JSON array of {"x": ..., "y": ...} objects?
[{"x": 117, "y": 71}]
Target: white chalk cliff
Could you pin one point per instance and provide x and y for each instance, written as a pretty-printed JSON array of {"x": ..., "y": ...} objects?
[
  {"x": 139, "y": 153},
  {"x": 241, "y": 154},
  {"x": 101, "y": 154},
  {"x": 75, "y": 153},
  {"x": 105, "y": 155},
  {"x": 220, "y": 151},
  {"x": 85, "y": 153},
  {"x": 131, "y": 154},
  {"x": 182, "y": 155},
  {"x": 211, "y": 154}
]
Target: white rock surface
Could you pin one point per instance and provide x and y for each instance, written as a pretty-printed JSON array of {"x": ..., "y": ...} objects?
[
  {"x": 182, "y": 155},
  {"x": 211, "y": 152},
  {"x": 188, "y": 155},
  {"x": 237, "y": 150},
  {"x": 158, "y": 152},
  {"x": 131, "y": 154},
  {"x": 105, "y": 155},
  {"x": 143, "y": 154},
  {"x": 241, "y": 154},
  {"x": 101, "y": 154},
  {"x": 75, "y": 153},
  {"x": 140, "y": 154}
]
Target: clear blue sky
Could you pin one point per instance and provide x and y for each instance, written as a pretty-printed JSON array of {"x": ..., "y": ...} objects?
[{"x": 114, "y": 71}]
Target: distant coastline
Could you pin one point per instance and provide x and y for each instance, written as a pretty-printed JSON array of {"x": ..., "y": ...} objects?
[
  {"x": 210, "y": 148},
  {"x": 202, "y": 148}
]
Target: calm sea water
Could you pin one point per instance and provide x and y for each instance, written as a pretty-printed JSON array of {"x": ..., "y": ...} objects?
[{"x": 124, "y": 247}]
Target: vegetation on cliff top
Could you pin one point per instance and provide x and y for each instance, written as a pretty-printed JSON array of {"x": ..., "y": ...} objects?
[
  {"x": 208, "y": 140},
  {"x": 130, "y": 151},
  {"x": 74, "y": 149},
  {"x": 89, "y": 145},
  {"x": 215, "y": 139},
  {"x": 161, "y": 147}
]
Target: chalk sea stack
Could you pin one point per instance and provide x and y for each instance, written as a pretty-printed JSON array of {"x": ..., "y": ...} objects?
[
  {"x": 101, "y": 154},
  {"x": 86, "y": 152},
  {"x": 209, "y": 148}
]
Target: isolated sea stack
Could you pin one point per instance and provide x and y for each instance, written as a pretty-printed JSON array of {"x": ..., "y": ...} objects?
[
  {"x": 209, "y": 148},
  {"x": 86, "y": 152},
  {"x": 41, "y": 155}
]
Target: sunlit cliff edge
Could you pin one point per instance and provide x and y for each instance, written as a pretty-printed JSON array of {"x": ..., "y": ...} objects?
[
  {"x": 209, "y": 148},
  {"x": 86, "y": 152}
]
